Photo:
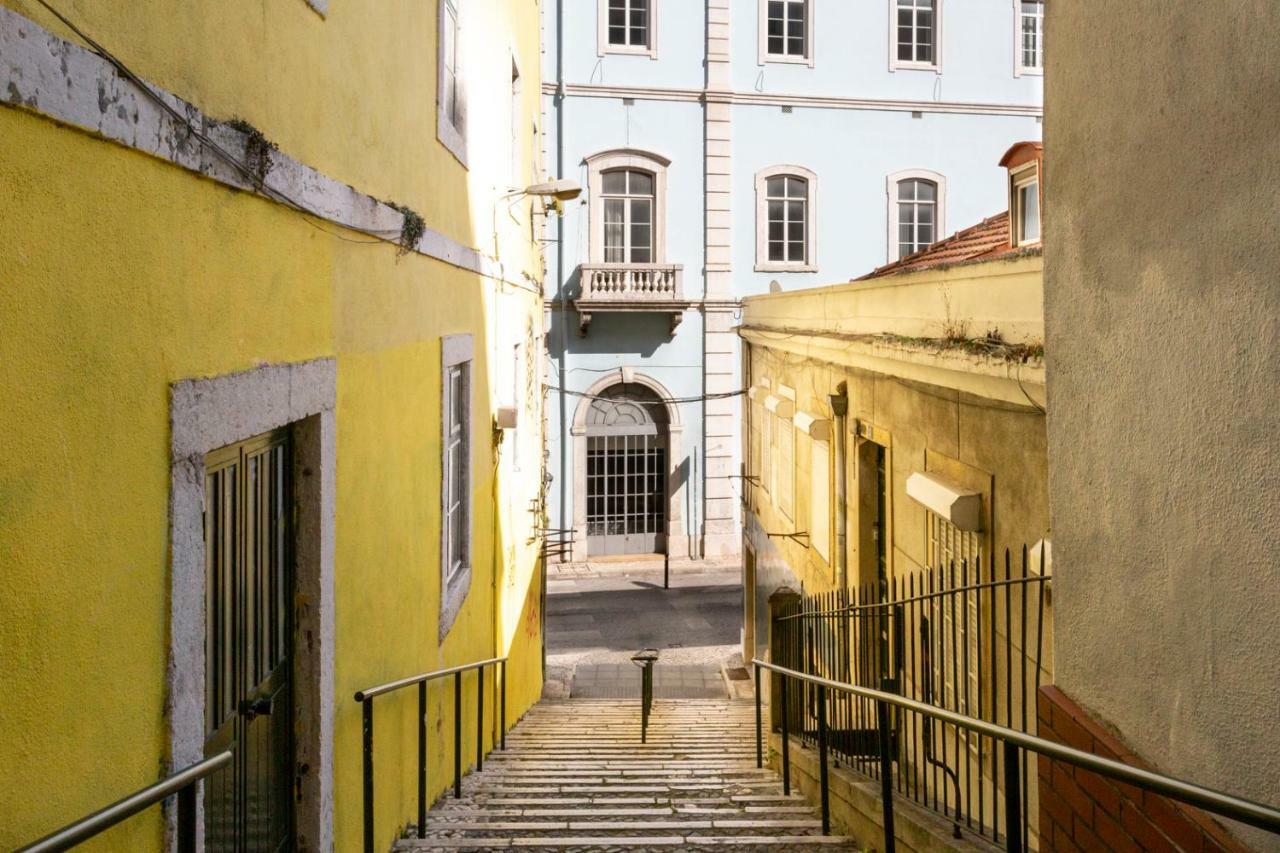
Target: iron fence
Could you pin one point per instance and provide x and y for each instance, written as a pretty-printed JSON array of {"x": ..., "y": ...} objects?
[{"x": 966, "y": 638}]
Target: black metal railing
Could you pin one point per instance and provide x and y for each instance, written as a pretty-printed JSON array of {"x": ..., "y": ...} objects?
[
  {"x": 1014, "y": 747},
  {"x": 964, "y": 638},
  {"x": 645, "y": 659},
  {"x": 366, "y": 697},
  {"x": 183, "y": 783}
]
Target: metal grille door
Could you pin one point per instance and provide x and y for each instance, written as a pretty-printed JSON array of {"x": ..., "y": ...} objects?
[{"x": 626, "y": 494}]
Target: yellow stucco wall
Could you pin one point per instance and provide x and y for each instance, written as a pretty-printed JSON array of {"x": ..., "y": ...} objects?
[{"x": 121, "y": 274}]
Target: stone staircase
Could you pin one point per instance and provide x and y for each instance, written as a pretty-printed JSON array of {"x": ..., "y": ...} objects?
[{"x": 575, "y": 777}]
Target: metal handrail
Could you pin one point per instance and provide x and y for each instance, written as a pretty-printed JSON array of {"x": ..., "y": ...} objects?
[
  {"x": 182, "y": 783},
  {"x": 365, "y": 698},
  {"x": 1218, "y": 802}
]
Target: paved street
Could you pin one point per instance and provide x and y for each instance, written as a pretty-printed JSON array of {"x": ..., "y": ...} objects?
[{"x": 597, "y": 618}]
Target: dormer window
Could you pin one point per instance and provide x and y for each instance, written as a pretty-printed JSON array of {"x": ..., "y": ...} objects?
[{"x": 1025, "y": 164}]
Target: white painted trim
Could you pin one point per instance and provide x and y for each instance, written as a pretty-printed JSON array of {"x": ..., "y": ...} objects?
[
  {"x": 896, "y": 64},
  {"x": 57, "y": 79},
  {"x": 1019, "y": 70},
  {"x": 763, "y": 264},
  {"x": 677, "y": 539},
  {"x": 206, "y": 414},
  {"x": 626, "y": 158},
  {"x": 819, "y": 429},
  {"x": 321, "y": 6},
  {"x": 452, "y": 136},
  {"x": 456, "y": 350},
  {"x": 780, "y": 406},
  {"x": 959, "y": 506},
  {"x": 602, "y": 33},
  {"x": 763, "y": 99},
  {"x": 763, "y": 56},
  {"x": 1026, "y": 175},
  {"x": 891, "y": 196}
]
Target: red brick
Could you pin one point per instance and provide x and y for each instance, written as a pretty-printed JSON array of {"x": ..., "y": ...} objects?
[
  {"x": 1044, "y": 769},
  {"x": 1044, "y": 707},
  {"x": 1185, "y": 835},
  {"x": 1071, "y": 732},
  {"x": 1100, "y": 790},
  {"x": 1143, "y": 830},
  {"x": 1063, "y": 841},
  {"x": 1113, "y": 835},
  {"x": 1055, "y": 806},
  {"x": 1085, "y": 837},
  {"x": 1066, "y": 788}
]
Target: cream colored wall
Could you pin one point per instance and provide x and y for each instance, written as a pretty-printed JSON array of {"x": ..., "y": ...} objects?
[{"x": 1164, "y": 374}]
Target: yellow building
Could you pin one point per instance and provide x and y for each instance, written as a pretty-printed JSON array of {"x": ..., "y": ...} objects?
[
  {"x": 896, "y": 451},
  {"x": 268, "y": 440}
]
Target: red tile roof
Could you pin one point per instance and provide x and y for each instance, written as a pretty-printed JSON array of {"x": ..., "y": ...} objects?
[{"x": 987, "y": 240}]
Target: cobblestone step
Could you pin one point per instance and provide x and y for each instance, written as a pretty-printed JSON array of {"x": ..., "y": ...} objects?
[{"x": 575, "y": 777}]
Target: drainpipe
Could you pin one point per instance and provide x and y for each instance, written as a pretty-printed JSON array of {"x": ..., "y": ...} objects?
[
  {"x": 840, "y": 409},
  {"x": 560, "y": 288}
]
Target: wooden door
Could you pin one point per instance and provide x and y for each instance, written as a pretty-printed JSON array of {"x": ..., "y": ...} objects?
[{"x": 248, "y": 654}]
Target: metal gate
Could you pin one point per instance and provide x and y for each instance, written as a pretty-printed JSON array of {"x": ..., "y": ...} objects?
[{"x": 626, "y": 473}]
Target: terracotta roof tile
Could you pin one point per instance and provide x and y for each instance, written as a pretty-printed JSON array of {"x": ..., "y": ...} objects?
[{"x": 988, "y": 239}]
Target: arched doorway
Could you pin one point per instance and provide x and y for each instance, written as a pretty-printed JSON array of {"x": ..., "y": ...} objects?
[{"x": 626, "y": 433}]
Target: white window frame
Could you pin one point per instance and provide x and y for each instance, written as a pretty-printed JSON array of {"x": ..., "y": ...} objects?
[
  {"x": 762, "y": 33},
  {"x": 456, "y": 351},
  {"x": 896, "y": 64},
  {"x": 451, "y": 130},
  {"x": 763, "y": 264},
  {"x": 602, "y": 33},
  {"x": 891, "y": 196},
  {"x": 627, "y": 158},
  {"x": 1018, "y": 68},
  {"x": 1024, "y": 176}
]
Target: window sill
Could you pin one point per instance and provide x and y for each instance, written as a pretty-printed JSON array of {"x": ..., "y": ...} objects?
[
  {"x": 625, "y": 50},
  {"x": 783, "y": 59},
  {"x": 1029, "y": 72},
  {"x": 778, "y": 267},
  {"x": 453, "y": 596},
  {"x": 915, "y": 66},
  {"x": 451, "y": 138}
]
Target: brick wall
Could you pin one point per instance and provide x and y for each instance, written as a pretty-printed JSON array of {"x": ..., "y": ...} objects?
[{"x": 1082, "y": 811}]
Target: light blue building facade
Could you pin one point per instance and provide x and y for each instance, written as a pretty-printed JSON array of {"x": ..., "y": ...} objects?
[{"x": 725, "y": 145}]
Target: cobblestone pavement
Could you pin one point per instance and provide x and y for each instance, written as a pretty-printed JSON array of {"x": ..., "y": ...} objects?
[
  {"x": 604, "y": 618},
  {"x": 575, "y": 777}
]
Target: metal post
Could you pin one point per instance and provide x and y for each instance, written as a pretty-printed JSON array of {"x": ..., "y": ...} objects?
[
  {"x": 759, "y": 725},
  {"x": 502, "y": 722},
  {"x": 822, "y": 760},
  {"x": 368, "y": 774},
  {"x": 886, "y": 776},
  {"x": 422, "y": 759},
  {"x": 666, "y": 563},
  {"x": 479, "y": 719},
  {"x": 786, "y": 738},
  {"x": 457, "y": 735},
  {"x": 187, "y": 819},
  {"x": 1012, "y": 799},
  {"x": 646, "y": 699}
]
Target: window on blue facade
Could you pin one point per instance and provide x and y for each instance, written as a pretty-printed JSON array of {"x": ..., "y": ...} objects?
[
  {"x": 629, "y": 23},
  {"x": 917, "y": 31},
  {"x": 788, "y": 28},
  {"x": 917, "y": 215},
  {"x": 628, "y": 216},
  {"x": 788, "y": 200},
  {"x": 1031, "y": 50}
]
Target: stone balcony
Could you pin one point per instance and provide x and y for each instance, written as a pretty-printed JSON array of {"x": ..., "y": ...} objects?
[{"x": 616, "y": 288}]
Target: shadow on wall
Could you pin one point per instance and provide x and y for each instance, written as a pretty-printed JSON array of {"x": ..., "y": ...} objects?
[{"x": 635, "y": 334}]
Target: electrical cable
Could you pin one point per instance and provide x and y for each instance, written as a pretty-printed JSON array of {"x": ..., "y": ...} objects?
[{"x": 723, "y": 395}]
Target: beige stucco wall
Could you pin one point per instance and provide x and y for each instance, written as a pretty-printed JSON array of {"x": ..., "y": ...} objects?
[{"x": 1163, "y": 324}]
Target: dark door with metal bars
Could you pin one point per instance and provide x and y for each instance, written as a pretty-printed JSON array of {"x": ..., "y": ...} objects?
[
  {"x": 249, "y": 645},
  {"x": 626, "y": 474}
]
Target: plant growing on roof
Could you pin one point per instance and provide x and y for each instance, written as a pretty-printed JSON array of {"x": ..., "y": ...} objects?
[
  {"x": 257, "y": 150},
  {"x": 411, "y": 229}
]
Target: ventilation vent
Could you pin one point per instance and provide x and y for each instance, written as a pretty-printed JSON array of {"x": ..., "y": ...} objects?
[{"x": 788, "y": 109}]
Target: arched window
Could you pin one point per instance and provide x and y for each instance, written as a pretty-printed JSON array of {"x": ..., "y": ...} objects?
[
  {"x": 628, "y": 216},
  {"x": 916, "y": 211},
  {"x": 785, "y": 214},
  {"x": 628, "y": 201}
]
